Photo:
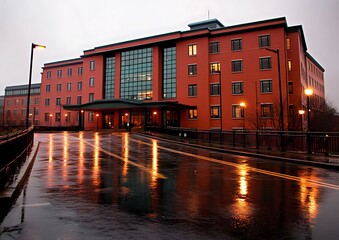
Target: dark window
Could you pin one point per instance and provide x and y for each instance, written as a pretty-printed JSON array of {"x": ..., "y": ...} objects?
[
  {"x": 215, "y": 89},
  {"x": 49, "y": 74},
  {"x": 237, "y": 66},
  {"x": 192, "y": 69},
  {"x": 192, "y": 113},
  {"x": 214, "y": 47},
  {"x": 215, "y": 111},
  {"x": 58, "y": 101},
  {"x": 265, "y": 41},
  {"x": 47, "y": 117},
  {"x": 79, "y": 85},
  {"x": 48, "y": 88},
  {"x": 59, "y": 87},
  {"x": 192, "y": 90},
  {"x": 68, "y": 101},
  {"x": 79, "y": 70},
  {"x": 266, "y": 110},
  {"x": 290, "y": 87},
  {"x": 79, "y": 100},
  {"x": 265, "y": 63},
  {"x": 59, "y": 73},
  {"x": 266, "y": 86},
  {"x": 91, "y": 97},
  {"x": 91, "y": 81},
  {"x": 70, "y": 72},
  {"x": 69, "y": 86},
  {"x": 47, "y": 102},
  {"x": 236, "y": 44},
  {"x": 57, "y": 117},
  {"x": 237, "y": 88}
]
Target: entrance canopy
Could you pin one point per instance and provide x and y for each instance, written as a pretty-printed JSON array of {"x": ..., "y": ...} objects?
[{"x": 111, "y": 104}]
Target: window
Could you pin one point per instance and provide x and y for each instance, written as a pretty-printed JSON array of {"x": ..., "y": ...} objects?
[
  {"x": 79, "y": 70},
  {"x": 24, "y": 101},
  {"x": 91, "y": 81},
  {"x": 90, "y": 116},
  {"x": 59, "y": 87},
  {"x": 266, "y": 86},
  {"x": 288, "y": 43},
  {"x": 237, "y": 66},
  {"x": 57, "y": 117},
  {"x": 59, "y": 73},
  {"x": 192, "y": 113},
  {"x": 265, "y": 63},
  {"x": 109, "y": 82},
  {"x": 290, "y": 87},
  {"x": 236, "y": 44},
  {"x": 37, "y": 101},
  {"x": 9, "y": 102},
  {"x": 91, "y": 97},
  {"x": 92, "y": 65},
  {"x": 58, "y": 101},
  {"x": 15, "y": 112},
  {"x": 70, "y": 71},
  {"x": 237, "y": 111},
  {"x": 49, "y": 74},
  {"x": 79, "y": 100},
  {"x": 289, "y": 65},
  {"x": 192, "y": 50},
  {"x": 264, "y": 41},
  {"x": 215, "y": 111},
  {"x": 214, "y": 68},
  {"x": 79, "y": 85},
  {"x": 237, "y": 87},
  {"x": 215, "y": 89},
  {"x": 68, "y": 101},
  {"x": 214, "y": 47},
  {"x": 169, "y": 85},
  {"x": 46, "y": 117},
  {"x": 266, "y": 110},
  {"x": 47, "y": 102},
  {"x": 192, "y": 69},
  {"x": 192, "y": 90},
  {"x": 16, "y": 102},
  {"x": 68, "y": 116},
  {"x": 69, "y": 86},
  {"x": 48, "y": 88}
]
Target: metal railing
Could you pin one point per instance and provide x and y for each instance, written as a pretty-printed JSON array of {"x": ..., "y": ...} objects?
[
  {"x": 311, "y": 142},
  {"x": 13, "y": 149}
]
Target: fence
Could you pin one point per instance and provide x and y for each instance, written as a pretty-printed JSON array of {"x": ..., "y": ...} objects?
[
  {"x": 12, "y": 150},
  {"x": 312, "y": 142}
]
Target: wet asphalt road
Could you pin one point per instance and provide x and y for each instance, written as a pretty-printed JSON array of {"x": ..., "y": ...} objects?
[{"x": 125, "y": 186}]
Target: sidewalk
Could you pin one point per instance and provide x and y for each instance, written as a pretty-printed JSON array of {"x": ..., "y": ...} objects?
[{"x": 318, "y": 160}]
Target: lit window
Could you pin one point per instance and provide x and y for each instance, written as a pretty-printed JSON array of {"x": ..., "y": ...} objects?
[
  {"x": 237, "y": 111},
  {"x": 236, "y": 44},
  {"x": 265, "y": 63},
  {"x": 192, "y": 69},
  {"x": 288, "y": 43},
  {"x": 192, "y": 113},
  {"x": 266, "y": 86},
  {"x": 265, "y": 41},
  {"x": 192, "y": 50},
  {"x": 214, "y": 67},
  {"x": 237, "y": 88},
  {"x": 289, "y": 65},
  {"x": 215, "y": 111},
  {"x": 214, "y": 47}
]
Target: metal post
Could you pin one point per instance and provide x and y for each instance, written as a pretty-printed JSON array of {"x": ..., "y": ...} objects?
[
  {"x": 309, "y": 146},
  {"x": 29, "y": 85}
]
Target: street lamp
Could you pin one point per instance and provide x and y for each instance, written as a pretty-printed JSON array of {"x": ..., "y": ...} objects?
[
  {"x": 276, "y": 51},
  {"x": 30, "y": 79},
  {"x": 97, "y": 115},
  {"x": 301, "y": 113},
  {"x": 308, "y": 93},
  {"x": 155, "y": 117},
  {"x": 243, "y": 105}
]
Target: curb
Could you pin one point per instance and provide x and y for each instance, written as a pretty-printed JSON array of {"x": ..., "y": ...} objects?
[
  {"x": 250, "y": 154},
  {"x": 12, "y": 191}
]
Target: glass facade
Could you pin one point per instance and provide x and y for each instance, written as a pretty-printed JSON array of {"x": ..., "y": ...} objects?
[
  {"x": 169, "y": 85},
  {"x": 110, "y": 78},
  {"x": 136, "y": 74}
]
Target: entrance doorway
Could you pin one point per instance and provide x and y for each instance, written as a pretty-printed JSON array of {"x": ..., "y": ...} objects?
[{"x": 108, "y": 120}]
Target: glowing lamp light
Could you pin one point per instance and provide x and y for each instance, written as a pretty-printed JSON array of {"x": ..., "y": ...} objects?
[
  {"x": 309, "y": 91},
  {"x": 301, "y": 112},
  {"x": 242, "y": 104}
]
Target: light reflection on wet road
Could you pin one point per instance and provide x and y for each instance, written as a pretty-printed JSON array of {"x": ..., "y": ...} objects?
[{"x": 116, "y": 186}]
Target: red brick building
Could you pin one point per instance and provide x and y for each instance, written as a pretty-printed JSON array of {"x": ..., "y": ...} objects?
[{"x": 209, "y": 77}]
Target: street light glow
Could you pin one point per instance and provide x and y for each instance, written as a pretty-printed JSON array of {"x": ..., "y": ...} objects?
[
  {"x": 242, "y": 104},
  {"x": 39, "y": 46},
  {"x": 301, "y": 112},
  {"x": 309, "y": 91}
]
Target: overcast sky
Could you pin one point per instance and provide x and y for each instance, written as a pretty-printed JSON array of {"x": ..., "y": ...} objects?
[{"x": 67, "y": 27}]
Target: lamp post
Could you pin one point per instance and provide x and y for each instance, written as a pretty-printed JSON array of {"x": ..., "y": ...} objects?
[
  {"x": 308, "y": 93},
  {"x": 30, "y": 80},
  {"x": 155, "y": 117},
  {"x": 97, "y": 115},
  {"x": 301, "y": 113},
  {"x": 243, "y": 105}
]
